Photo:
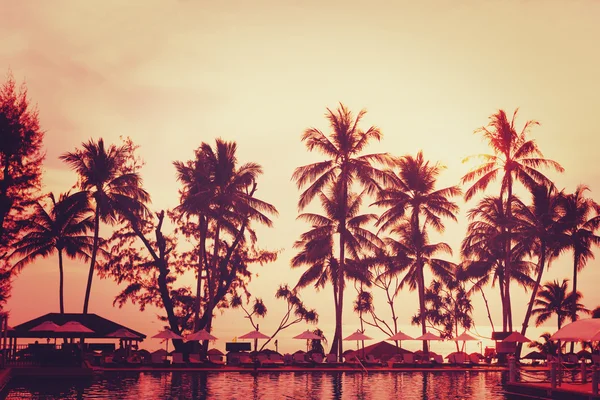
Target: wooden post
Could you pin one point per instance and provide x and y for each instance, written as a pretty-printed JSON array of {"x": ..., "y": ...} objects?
[
  {"x": 594, "y": 380},
  {"x": 583, "y": 371},
  {"x": 553, "y": 374},
  {"x": 512, "y": 369}
]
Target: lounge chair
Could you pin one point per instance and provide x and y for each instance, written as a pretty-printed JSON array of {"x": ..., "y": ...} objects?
[
  {"x": 408, "y": 359},
  {"x": 196, "y": 361},
  {"x": 158, "y": 359},
  {"x": 438, "y": 359},
  {"x": 264, "y": 360},
  {"x": 474, "y": 358},
  {"x": 331, "y": 361},
  {"x": 276, "y": 359},
  {"x": 395, "y": 361},
  {"x": 317, "y": 358},
  {"x": 246, "y": 360},
  {"x": 288, "y": 359},
  {"x": 178, "y": 360},
  {"x": 351, "y": 360},
  {"x": 299, "y": 359},
  {"x": 216, "y": 360},
  {"x": 370, "y": 360}
]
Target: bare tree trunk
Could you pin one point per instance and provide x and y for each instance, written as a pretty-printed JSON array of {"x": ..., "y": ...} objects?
[{"x": 421, "y": 288}]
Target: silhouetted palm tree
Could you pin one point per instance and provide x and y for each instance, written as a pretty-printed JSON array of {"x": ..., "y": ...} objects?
[
  {"x": 540, "y": 232},
  {"x": 419, "y": 253},
  {"x": 581, "y": 229},
  {"x": 107, "y": 176},
  {"x": 483, "y": 248},
  {"x": 515, "y": 157},
  {"x": 221, "y": 193},
  {"x": 555, "y": 298},
  {"x": 343, "y": 167},
  {"x": 547, "y": 346},
  {"x": 63, "y": 229},
  {"x": 317, "y": 245},
  {"x": 595, "y": 313}
]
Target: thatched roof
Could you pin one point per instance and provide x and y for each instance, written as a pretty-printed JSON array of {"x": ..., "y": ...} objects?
[
  {"x": 101, "y": 326},
  {"x": 382, "y": 348}
]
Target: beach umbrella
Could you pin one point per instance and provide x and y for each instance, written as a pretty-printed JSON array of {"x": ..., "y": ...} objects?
[
  {"x": 73, "y": 327},
  {"x": 167, "y": 334},
  {"x": 516, "y": 337},
  {"x": 359, "y": 336},
  {"x": 400, "y": 336},
  {"x": 200, "y": 335},
  {"x": 46, "y": 326},
  {"x": 428, "y": 336},
  {"x": 535, "y": 355},
  {"x": 254, "y": 335},
  {"x": 464, "y": 337},
  {"x": 123, "y": 333},
  {"x": 308, "y": 335}
]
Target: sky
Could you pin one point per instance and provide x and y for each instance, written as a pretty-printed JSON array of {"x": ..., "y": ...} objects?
[{"x": 173, "y": 74}]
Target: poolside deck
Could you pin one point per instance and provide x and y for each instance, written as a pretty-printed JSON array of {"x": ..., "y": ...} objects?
[
  {"x": 575, "y": 391},
  {"x": 292, "y": 368}
]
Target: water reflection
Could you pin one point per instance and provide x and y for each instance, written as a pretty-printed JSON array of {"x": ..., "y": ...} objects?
[{"x": 284, "y": 385}]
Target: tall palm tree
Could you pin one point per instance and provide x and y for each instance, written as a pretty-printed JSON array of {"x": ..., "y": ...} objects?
[
  {"x": 581, "y": 229},
  {"x": 344, "y": 167},
  {"x": 555, "y": 298},
  {"x": 317, "y": 246},
  {"x": 540, "y": 232},
  {"x": 220, "y": 193},
  {"x": 419, "y": 253},
  {"x": 547, "y": 347},
  {"x": 515, "y": 157},
  {"x": 63, "y": 228},
  {"x": 109, "y": 177},
  {"x": 483, "y": 248},
  {"x": 411, "y": 194}
]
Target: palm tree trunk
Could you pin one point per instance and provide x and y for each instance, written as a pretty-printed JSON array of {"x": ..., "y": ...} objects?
[
  {"x": 202, "y": 249},
  {"x": 421, "y": 284},
  {"x": 88, "y": 288},
  {"x": 61, "y": 281},
  {"x": 334, "y": 344},
  {"x": 540, "y": 271}
]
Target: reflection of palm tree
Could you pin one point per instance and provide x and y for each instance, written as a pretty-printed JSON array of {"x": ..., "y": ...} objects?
[
  {"x": 219, "y": 192},
  {"x": 344, "y": 167},
  {"x": 517, "y": 158},
  {"x": 63, "y": 229},
  {"x": 581, "y": 228},
  {"x": 554, "y": 298},
  {"x": 106, "y": 176}
]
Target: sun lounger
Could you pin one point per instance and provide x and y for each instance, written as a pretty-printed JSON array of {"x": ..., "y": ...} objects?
[
  {"x": 331, "y": 361},
  {"x": 370, "y": 360},
  {"x": 246, "y": 360},
  {"x": 276, "y": 359},
  {"x": 474, "y": 358},
  {"x": 317, "y": 358},
  {"x": 299, "y": 359},
  {"x": 216, "y": 360},
  {"x": 438, "y": 359},
  {"x": 288, "y": 359},
  {"x": 395, "y": 361},
  {"x": 196, "y": 361},
  {"x": 178, "y": 360}
]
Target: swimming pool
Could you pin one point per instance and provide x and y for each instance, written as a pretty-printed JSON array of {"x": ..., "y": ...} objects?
[{"x": 277, "y": 385}]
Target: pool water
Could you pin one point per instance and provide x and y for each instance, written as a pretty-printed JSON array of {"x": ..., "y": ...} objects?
[{"x": 277, "y": 385}]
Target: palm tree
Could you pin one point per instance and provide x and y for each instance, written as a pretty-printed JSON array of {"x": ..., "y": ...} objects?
[
  {"x": 344, "y": 167},
  {"x": 220, "y": 193},
  {"x": 63, "y": 228},
  {"x": 412, "y": 190},
  {"x": 483, "y": 248},
  {"x": 581, "y": 227},
  {"x": 317, "y": 246},
  {"x": 554, "y": 298},
  {"x": 540, "y": 232},
  {"x": 516, "y": 157},
  {"x": 595, "y": 313},
  {"x": 547, "y": 347},
  {"x": 419, "y": 253},
  {"x": 108, "y": 177}
]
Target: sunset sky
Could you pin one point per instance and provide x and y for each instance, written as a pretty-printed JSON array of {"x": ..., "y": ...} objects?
[{"x": 172, "y": 74}]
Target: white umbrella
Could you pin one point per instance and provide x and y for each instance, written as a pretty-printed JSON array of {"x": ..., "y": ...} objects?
[
  {"x": 516, "y": 337},
  {"x": 200, "y": 335},
  {"x": 587, "y": 329},
  {"x": 73, "y": 327},
  {"x": 308, "y": 335},
  {"x": 359, "y": 336},
  {"x": 254, "y": 335},
  {"x": 167, "y": 334},
  {"x": 400, "y": 336}
]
